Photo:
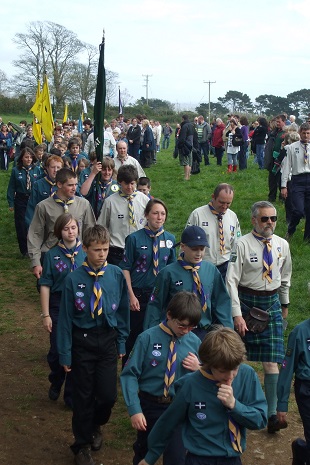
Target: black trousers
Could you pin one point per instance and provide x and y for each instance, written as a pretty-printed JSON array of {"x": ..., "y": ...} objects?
[
  {"x": 94, "y": 381},
  {"x": 57, "y": 375},
  {"x": 136, "y": 320},
  {"x": 300, "y": 196},
  {"x": 274, "y": 183},
  {"x": 20, "y": 206},
  {"x": 174, "y": 453}
]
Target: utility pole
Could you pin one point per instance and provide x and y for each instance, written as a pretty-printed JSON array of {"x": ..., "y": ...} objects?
[
  {"x": 147, "y": 76},
  {"x": 209, "y": 82}
]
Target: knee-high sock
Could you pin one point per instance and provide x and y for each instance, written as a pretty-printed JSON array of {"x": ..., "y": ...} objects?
[{"x": 270, "y": 382}]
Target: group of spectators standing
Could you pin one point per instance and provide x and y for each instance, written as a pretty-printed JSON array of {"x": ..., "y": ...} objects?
[{"x": 112, "y": 286}]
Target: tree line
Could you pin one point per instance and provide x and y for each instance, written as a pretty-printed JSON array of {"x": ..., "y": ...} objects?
[{"x": 71, "y": 67}]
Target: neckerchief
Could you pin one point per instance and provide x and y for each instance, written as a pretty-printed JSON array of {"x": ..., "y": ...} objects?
[
  {"x": 28, "y": 178},
  {"x": 305, "y": 147},
  {"x": 74, "y": 163},
  {"x": 69, "y": 254},
  {"x": 103, "y": 189},
  {"x": 220, "y": 226},
  {"x": 63, "y": 203},
  {"x": 267, "y": 256},
  {"x": 96, "y": 298},
  {"x": 171, "y": 360},
  {"x": 234, "y": 429},
  {"x": 51, "y": 183},
  {"x": 131, "y": 212},
  {"x": 155, "y": 237},
  {"x": 197, "y": 286}
]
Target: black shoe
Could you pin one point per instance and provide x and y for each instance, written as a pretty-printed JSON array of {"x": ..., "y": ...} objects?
[
  {"x": 83, "y": 457},
  {"x": 54, "y": 392},
  {"x": 299, "y": 450},
  {"x": 275, "y": 425},
  {"x": 97, "y": 439}
]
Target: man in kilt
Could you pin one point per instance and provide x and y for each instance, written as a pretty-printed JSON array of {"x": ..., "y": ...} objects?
[{"x": 258, "y": 275}]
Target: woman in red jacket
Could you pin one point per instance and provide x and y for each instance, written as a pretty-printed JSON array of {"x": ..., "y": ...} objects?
[{"x": 217, "y": 140}]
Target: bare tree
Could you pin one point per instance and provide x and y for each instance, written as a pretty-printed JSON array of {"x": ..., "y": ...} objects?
[
  {"x": 3, "y": 82},
  {"x": 111, "y": 84},
  {"x": 84, "y": 76}
]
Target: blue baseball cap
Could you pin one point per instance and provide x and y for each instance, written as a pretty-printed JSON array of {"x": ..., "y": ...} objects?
[{"x": 194, "y": 236}]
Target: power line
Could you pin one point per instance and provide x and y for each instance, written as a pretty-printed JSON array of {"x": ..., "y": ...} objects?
[
  {"x": 147, "y": 76},
  {"x": 209, "y": 82}
]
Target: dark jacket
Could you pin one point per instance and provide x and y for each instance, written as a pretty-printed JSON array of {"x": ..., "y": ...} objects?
[
  {"x": 186, "y": 136},
  {"x": 259, "y": 135},
  {"x": 134, "y": 133},
  {"x": 148, "y": 139}
]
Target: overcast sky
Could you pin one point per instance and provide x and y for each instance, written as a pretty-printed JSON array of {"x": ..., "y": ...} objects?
[{"x": 256, "y": 48}]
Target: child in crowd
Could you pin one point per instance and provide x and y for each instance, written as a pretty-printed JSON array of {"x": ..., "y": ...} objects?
[
  {"x": 147, "y": 383},
  {"x": 215, "y": 405},
  {"x": 144, "y": 186},
  {"x": 59, "y": 261},
  {"x": 191, "y": 273},
  {"x": 92, "y": 329}
]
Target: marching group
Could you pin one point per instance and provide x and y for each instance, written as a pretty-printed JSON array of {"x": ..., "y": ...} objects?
[{"x": 113, "y": 287}]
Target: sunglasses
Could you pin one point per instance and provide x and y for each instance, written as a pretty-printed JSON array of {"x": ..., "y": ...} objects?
[{"x": 264, "y": 219}]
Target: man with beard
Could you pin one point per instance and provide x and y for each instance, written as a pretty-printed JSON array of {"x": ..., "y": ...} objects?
[{"x": 258, "y": 278}]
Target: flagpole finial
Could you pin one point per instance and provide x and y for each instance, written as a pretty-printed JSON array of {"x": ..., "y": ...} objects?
[{"x": 103, "y": 36}]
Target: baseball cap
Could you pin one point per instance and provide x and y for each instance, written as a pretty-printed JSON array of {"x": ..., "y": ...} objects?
[{"x": 194, "y": 236}]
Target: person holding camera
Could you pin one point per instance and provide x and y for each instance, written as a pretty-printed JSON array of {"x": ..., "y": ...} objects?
[{"x": 232, "y": 147}]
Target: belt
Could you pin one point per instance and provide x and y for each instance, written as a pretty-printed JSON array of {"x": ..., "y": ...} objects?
[
  {"x": 247, "y": 290},
  {"x": 157, "y": 399}
]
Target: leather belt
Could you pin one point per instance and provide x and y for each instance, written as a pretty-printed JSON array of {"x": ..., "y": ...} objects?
[
  {"x": 157, "y": 399},
  {"x": 247, "y": 290}
]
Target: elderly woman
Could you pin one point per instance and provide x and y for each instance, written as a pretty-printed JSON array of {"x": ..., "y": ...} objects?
[{"x": 148, "y": 144}]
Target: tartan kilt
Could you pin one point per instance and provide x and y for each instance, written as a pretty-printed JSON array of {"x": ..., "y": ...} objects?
[{"x": 267, "y": 346}]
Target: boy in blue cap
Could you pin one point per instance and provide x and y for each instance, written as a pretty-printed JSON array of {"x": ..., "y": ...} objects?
[{"x": 191, "y": 273}]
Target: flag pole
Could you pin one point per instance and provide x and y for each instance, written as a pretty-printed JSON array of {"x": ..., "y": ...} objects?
[{"x": 99, "y": 110}]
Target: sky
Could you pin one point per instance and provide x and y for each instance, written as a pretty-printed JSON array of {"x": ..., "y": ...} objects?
[{"x": 252, "y": 47}]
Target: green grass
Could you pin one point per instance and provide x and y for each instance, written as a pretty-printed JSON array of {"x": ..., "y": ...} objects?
[{"x": 16, "y": 118}]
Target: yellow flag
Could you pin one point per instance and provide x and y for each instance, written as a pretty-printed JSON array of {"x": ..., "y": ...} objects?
[
  {"x": 65, "y": 119},
  {"x": 42, "y": 110},
  {"x": 36, "y": 126}
]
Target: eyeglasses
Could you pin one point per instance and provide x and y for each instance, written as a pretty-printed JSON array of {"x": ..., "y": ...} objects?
[
  {"x": 182, "y": 326},
  {"x": 264, "y": 219}
]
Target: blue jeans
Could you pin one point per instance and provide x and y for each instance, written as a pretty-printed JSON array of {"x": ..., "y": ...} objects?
[
  {"x": 232, "y": 159},
  {"x": 204, "y": 148},
  {"x": 165, "y": 142},
  {"x": 260, "y": 152}
]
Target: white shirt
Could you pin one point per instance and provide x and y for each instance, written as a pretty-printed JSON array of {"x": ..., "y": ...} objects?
[
  {"x": 204, "y": 218},
  {"x": 245, "y": 268},
  {"x": 129, "y": 161},
  {"x": 294, "y": 162},
  {"x": 115, "y": 217}
]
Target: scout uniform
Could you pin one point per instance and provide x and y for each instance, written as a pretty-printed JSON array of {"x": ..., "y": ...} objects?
[
  {"x": 174, "y": 278},
  {"x": 89, "y": 340},
  {"x": 56, "y": 267},
  {"x": 138, "y": 260},
  {"x": 41, "y": 230},
  {"x": 142, "y": 382},
  {"x": 247, "y": 288},
  {"x": 205, "y": 420},
  {"x": 105, "y": 190},
  {"x": 18, "y": 193},
  {"x": 208, "y": 221},
  {"x": 129, "y": 161},
  {"x": 115, "y": 217},
  {"x": 41, "y": 190},
  {"x": 297, "y": 361}
]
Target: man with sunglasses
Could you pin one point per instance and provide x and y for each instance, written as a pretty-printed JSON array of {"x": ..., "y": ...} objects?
[{"x": 258, "y": 275}]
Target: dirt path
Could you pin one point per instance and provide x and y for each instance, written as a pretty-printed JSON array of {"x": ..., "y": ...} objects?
[{"x": 37, "y": 431}]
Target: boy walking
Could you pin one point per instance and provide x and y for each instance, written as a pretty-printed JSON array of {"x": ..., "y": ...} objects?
[
  {"x": 215, "y": 405},
  {"x": 92, "y": 329}
]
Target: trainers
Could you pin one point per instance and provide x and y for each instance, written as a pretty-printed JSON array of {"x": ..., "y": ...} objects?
[
  {"x": 97, "y": 439},
  {"x": 275, "y": 425},
  {"x": 53, "y": 392},
  {"x": 83, "y": 457}
]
